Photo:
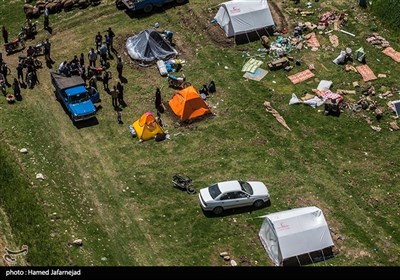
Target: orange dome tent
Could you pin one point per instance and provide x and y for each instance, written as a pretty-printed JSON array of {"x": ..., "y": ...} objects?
[
  {"x": 187, "y": 104},
  {"x": 146, "y": 127}
]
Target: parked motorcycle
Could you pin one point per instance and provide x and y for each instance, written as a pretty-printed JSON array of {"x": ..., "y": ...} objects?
[
  {"x": 28, "y": 32},
  {"x": 38, "y": 48},
  {"x": 26, "y": 60},
  {"x": 30, "y": 79},
  {"x": 97, "y": 71},
  {"x": 18, "y": 44},
  {"x": 184, "y": 183},
  {"x": 178, "y": 82}
]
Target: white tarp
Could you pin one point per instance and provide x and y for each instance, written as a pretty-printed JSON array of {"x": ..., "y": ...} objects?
[
  {"x": 148, "y": 46},
  {"x": 243, "y": 16},
  {"x": 294, "y": 232}
]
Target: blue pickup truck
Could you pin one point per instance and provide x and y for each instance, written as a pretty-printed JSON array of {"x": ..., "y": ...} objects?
[
  {"x": 145, "y": 5},
  {"x": 75, "y": 97}
]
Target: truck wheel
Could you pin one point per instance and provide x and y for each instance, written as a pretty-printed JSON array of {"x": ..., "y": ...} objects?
[{"x": 148, "y": 8}]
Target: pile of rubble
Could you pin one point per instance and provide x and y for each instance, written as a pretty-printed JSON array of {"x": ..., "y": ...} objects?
[{"x": 378, "y": 41}]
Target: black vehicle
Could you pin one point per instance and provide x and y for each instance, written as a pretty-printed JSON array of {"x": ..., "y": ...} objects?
[
  {"x": 18, "y": 44},
  {"x": 184, "y": 183},
  {"x": 28, "y": 32},
  {"x": 38, "y": 48}
]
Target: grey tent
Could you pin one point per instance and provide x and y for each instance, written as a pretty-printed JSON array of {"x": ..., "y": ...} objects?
[{"x": 148, "y": 46}]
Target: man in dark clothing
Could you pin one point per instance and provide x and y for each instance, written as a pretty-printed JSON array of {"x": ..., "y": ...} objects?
[
  {"x": 106, "y": 77},
  {"x": 5, "y": 34},
  {"x": 20, "y": 72},
  {"x": 120, "y": 66},
  {"x": 47, "y": 47},
  {"x": 98, "y": 39},
  {"x": 158, "y": 102},
  {"x": 114, "y": 97},
  {"x": 17, "y": 90},
  {"x": 108, "y": 44},
  {"x": 111, "y": 36},
  {"x": 46, "y": 18},
  {"x": 4, "y": 71},
  {"x": 120, "y": 89}
]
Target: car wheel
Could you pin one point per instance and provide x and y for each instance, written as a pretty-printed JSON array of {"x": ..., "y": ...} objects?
[
  {"x": 258, "y": 203},
  {"x": 218, "y": 210}
]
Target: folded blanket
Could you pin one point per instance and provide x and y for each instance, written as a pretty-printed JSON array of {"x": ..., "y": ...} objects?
[{"x": 251, "y": 65}]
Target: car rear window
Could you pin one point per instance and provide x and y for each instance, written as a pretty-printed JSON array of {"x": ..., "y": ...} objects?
[{"x": 214, "y": 191}]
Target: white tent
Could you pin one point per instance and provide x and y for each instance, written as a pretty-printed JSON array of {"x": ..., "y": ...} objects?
[
  {"x": 297, "y": 236},
  {"x": 243, "y": 16}
]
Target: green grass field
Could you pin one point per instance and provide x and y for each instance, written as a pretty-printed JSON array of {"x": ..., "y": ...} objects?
[{"x": 115, "y": 193}]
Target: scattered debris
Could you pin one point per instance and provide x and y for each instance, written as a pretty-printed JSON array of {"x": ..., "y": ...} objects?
[
  {"x": 39, "y": 176},
  {"x": 233, "y": 263},
  {"x": 275, "y": 113},
  {"x": 223, "y": 254},
  {"x": 346, "y": 32},
  {"x": 24, "y": 150},
  {"x": 76, "y": 242}
]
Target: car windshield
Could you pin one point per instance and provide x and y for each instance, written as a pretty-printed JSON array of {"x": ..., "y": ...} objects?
[
  {"x": 214, "y": 191},
  {"x": 246, "y": 187},
  {"x": 77, "y": 98}
]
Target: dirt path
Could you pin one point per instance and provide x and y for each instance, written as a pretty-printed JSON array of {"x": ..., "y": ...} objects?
[{"x": 282, "y": 20}]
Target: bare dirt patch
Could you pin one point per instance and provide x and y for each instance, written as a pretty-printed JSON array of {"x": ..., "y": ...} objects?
[
  {"x": 201, "y": 23},
  {"x": 282, "y": 21}
]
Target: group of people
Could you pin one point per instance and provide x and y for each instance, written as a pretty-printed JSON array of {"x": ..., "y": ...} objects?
[
  {"x": 74, "y": 67},
  {"x": 106, "y": 46}
]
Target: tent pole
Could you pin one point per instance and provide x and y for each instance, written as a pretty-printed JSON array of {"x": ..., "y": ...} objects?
[
  {"x": 310, "y": 257},
  {"x": 297, "y": 257},
  {"x": 323, "y": 255},
  {"x": 258, "y": 35},
  {"x": 248, "y": 40}
]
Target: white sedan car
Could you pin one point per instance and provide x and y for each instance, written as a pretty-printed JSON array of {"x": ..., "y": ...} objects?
[{"x": 232, "y": 194}]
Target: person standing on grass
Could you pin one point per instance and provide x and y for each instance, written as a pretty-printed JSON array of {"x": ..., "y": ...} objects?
[
  {"x": 82, "y": 60},
  {"x": 46, "y": 18},
  {"x": 119, "y": 116},
  {"x": 47, "y": 48},
  {"x": 20, "y": 72},
  {"x": 16, "y": 88},
  {"x": 106, "y": 77},
  {"x": 92, "y": 56},
  {"x": 108, "y": 44},
  {"x": 158, "y": 101},
  {"x": 103, "y": 54},
  {"x": 111, "y": 36},
  {"x": 120, "y": 89},
  {"x": 120, "y": 66},
  {"x": 4, "y": 71},
  {"x": 114, "y": 97},
  {"x": 5, "y": 34},
  {"x": 93, "y": 81},
  {"x": 98, "y": 39}
]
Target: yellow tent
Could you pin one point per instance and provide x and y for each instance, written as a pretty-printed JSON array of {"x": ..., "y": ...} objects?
[{"x": 146, "y": 127}]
